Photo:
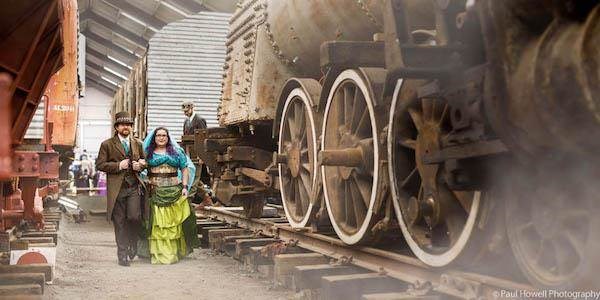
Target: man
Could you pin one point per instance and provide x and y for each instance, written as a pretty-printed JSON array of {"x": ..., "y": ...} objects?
[
  {"x": 122, "y": 158},
  {"x": 193, "y": 121}
]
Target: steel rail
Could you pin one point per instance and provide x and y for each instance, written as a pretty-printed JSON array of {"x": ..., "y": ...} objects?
[{"x": 402, "y": 267}]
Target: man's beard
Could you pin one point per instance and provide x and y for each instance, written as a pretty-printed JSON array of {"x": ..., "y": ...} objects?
[{"x": 122, "y": 133}]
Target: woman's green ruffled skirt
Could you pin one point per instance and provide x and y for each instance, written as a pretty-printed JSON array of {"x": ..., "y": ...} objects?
[{"x": 174, "y": 233}]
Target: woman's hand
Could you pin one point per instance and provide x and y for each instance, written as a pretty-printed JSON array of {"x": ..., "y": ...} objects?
[{"x": 184, "y": 191}]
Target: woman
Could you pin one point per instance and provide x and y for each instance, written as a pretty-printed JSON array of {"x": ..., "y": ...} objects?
[{"x": 172, "y": 224}]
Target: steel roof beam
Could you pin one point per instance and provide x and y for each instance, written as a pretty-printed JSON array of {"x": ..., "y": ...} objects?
[
  {"x": 108, "y": 62},
  {"x": 91, "y": 81},
  {"x": 189, "y": 5},
  {"x": 114, "y": 27},
  {"x": 150, "y": 21},
  {"x": 99, "y": 70},
  {"x": 98, "y": 79},
  {"x": 115, "y": 48}
]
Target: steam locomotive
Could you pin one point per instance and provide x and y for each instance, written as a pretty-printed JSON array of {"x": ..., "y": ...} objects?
[{"x": 459, "y": 125}]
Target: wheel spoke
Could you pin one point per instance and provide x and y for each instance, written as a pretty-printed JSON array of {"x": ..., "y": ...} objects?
[
  {"x": 293, "y": 127},
  {"x": 407, "y": 143},
  {"x": 339, "y": 108},
  {"x": 363, "y": 129},
  {"x": 408, "y": 178},
  {"x": 564, "y": 256},
  {"x": 417, "y": 119},
  {"x": 575, "y": 244},
  {"x": 357, "y": 110},
  {"x": 443, "y": 116},
  {"x": 349, "y": 92},
  {"x": 348, "y": 199},
  {"x": 297, "y": 199},
  {"x": 364, "y": 187},
  {"x": 304, "y": 194},
  {"x": 305, "y": 180},
  {"x": 427, "y": 108},
  {"x": 465, "y": 199},
  {"x": 360, "y": 210}
]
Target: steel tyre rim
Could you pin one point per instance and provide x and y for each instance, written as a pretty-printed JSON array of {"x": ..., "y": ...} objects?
[
  {"x": 360, "y": 234},
  {"x": 296, "y": 98},
  {"x": 432, "y": 259}
]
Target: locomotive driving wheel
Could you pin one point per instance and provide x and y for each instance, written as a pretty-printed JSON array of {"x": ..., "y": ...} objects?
[
  {"x": 436, "y": 221},
  {"x": 297, "y": 142},
  {"x": 349, "y": 156},
  {"x": 552, "y": 225}
]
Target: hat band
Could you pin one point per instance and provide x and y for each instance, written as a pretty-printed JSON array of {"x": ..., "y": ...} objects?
[{"x": 124, "y": 120}]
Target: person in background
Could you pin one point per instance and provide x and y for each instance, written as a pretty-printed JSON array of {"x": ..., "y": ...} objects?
[
  {"x": 122, "y": 158},
  {"x": 193, "y": 120},
  {"x": 87, "y": 168}
]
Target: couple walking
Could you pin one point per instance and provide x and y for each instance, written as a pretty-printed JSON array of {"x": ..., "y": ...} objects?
[{"x": 156, "y": 209}]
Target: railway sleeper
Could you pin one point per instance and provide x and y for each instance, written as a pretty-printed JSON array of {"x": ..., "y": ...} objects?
[
  {"x": 308, "y": 277},
  {"x": 203, "y": 232},
  {"x": 229, "y": 243},
  {"x": 354, "y": 286},
  {"x": 398, "y": 296},
  {"x": 262, "y": 256},
  {"x": 215, "y": 237},
  {"x": 8, "y": 281},
  {"x": 284, "y": 265},
  {"x": 242, "y": 246}
]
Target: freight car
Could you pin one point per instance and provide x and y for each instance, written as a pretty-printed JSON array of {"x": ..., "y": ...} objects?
[
  {"x": 453, "y": 123},
  {"x": 36, "y": 39}
]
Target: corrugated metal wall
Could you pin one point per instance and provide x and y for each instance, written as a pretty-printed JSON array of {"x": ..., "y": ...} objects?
[
  {"x": 36, "y": 127},
  {"x": 185, "y": 61}
]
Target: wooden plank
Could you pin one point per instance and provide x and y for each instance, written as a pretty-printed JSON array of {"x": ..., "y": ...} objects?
[
  {"x": 353, "y": 286},
  {"x": 23, "y": 278},
  {"x": 31, "y": 268},
  {"x": 310, "y": 276},
  {"x": 285, "y": 263},
  {"x": 242, "y": 245},
  {"x": 20, "y": 289}
]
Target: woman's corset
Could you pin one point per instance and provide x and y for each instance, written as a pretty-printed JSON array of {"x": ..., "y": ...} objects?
[{"x": 163, "y": 175}]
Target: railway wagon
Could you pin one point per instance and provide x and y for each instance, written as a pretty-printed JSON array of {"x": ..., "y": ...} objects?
[
  {"x": 458, "y": 125},
  {"x": 37, "y": 39}
]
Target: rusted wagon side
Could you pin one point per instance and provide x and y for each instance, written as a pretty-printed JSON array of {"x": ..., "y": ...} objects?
[
  {"x": 31, "y": 51},
  {"x": 63, "y": 88}
]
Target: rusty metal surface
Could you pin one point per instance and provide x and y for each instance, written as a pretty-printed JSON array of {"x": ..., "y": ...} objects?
[
  {"x": 26, "y": 164},
  {"x": 63, "y": 90},
  {"x": 5, "y": 125},
  {"x": 272, "y": 41},
  {"x": 398, "y": 266},
  {"x": 30, "y": 50},
  {"x": 536, "y": 64}
]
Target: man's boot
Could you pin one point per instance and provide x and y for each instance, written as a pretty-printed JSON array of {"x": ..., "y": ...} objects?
[
  {"x": 132, "y": 252},
  {"x": 123, "y": 261}
]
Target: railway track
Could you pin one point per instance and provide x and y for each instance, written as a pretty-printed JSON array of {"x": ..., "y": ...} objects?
[{"x": 416, "y": 278}]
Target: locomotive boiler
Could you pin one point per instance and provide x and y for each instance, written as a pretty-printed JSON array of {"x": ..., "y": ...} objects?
[{"x": 448, "y": 122}]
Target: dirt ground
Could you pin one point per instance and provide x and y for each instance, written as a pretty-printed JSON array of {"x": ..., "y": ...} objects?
[{"x": 86, "y": 267}]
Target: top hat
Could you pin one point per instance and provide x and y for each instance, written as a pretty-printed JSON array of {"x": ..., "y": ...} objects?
[{"x": 123, "y": 117}]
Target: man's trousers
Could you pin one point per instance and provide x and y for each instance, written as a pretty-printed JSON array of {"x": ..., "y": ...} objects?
[{"x": 126, "y": 219}]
